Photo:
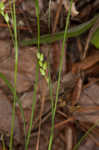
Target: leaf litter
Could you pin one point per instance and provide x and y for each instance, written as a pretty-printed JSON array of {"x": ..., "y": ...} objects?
[{"x": 78, "y": 104}]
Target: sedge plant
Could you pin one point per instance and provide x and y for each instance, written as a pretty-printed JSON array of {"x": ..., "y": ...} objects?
[
  {"x": 59, "y": 78},
  {"x": 2, "y": 76},
  {"x": 36, "y": 80},
  {"x": 15, "y": 72},
  {"x": 41, "y": 65},
  {"x": 15, "y": 42},
  {"x": 6, "y": 17}
]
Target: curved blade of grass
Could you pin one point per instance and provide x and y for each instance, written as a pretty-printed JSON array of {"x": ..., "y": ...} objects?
[
  {"x": 59, "y": 77},
  {"x": 9, "y": 85},
  {"x": 86, "y": 134},
  {"x": 72, "y": 32}
]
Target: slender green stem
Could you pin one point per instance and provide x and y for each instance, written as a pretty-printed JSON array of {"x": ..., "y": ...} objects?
[
  {"x": 38, "y": 23},
  {"x": 49, "y": 15},
  {"x": 12, "y": 16},
  {"x": 3, "y": 77},
  {"x": 36, "y": 80},
  {"x": 59, "y": 77},
  {"x": 33, "y": 108},
  {"x": 15, "y": 74},
  {"x": 85, "y": 135}
]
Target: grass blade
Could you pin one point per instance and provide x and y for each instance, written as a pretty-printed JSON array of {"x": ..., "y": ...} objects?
[
  {"x": 9, "y": 85},
  {"x": 59, "y": 77}
]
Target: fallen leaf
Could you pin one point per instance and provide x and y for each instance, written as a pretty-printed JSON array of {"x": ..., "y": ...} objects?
[{"x": 6, "y": 118}]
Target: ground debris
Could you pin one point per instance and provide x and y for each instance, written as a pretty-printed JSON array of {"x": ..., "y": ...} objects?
[{"x": 5, "y": 121}]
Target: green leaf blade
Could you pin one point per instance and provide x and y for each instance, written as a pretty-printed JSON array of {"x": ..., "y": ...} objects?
[{"x": 95, "y": 38}]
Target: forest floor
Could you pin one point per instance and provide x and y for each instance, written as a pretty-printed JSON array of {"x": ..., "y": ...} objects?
[{"x": 77, "y": 112}]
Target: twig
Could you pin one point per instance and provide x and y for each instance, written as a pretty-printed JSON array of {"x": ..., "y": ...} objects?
[{"x": 93, "y": 29}]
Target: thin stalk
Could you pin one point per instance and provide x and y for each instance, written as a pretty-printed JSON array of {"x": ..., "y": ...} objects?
[
  {"x": 59, "y": 77},
  {"x": 33, "y": 108},
  {"x": 49, "y": 15},
  {"x": 36, "y": 80},
  {"x": 85, "y": 135},
  {"x": 15, "y": 74},
  {"x": 12, "y": 16},
  {"x": 50, "y": 88},
  {"x": 3, "y": 77},
  {"x": 38, "y": 23}
]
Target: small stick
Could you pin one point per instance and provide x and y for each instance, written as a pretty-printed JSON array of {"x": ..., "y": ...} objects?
[
  {"x": 57, "y": 15},
  {"x": 93, "y": 29}
]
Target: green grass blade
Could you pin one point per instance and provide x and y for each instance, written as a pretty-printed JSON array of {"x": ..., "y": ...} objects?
[
  {"x": 38, "y": 23},
  {"x": 36, "y": 80},
  {"x": 49, "y": 15},
  {"x": 9, "y": 85},
  {"x": 33, "y": 108},
  {"x": 59, "y": 77},
  {"x": 86, "y": 134},
  {"x": 15, "y": 74},
  {"x": 72, "y": 32}
]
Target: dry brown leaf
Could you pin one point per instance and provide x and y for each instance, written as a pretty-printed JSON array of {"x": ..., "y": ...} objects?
[
  {"x": 88, "y": 145},
  {"x": 6, "y": 118},
  {"x": 87, "y": 63},
  {"x": 88, "y": 111},
  {"x": 89, "y": 105},
  {"x": 26, "y": 68}
]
